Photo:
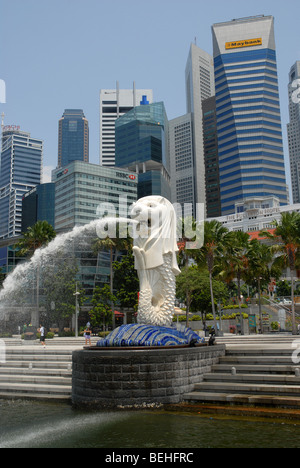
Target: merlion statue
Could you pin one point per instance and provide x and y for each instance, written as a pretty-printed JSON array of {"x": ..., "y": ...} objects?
[
  {"x": 155, "y": 249},
  {"x": 153, "y": 223}
]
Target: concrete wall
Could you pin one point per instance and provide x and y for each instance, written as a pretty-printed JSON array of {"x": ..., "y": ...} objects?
[{"x": 124, "y": 377}]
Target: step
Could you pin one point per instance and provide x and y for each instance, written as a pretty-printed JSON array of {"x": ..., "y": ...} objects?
[
  {"x": 259, "y": 368},
  {"x": 253, "y": 378},
  {"x": 39, "y": 351},
  {"x": 248, "y": 399},
  {"x": 235, "y": 387},
  {"x": 241, "y": 351},
  {"x": 35, "y": 388},
  {"x": 35, "y": 396},
  {"x": 36, "y": 364},
  {"x": 34, "y": 371},
  {"x": 257, "y": 360},
  {"x": 38, "y": 357},
  {"x": 35, "y": 379}
]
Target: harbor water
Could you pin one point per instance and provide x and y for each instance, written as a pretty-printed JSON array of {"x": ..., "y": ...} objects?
[{"x": 27, "y": 424}]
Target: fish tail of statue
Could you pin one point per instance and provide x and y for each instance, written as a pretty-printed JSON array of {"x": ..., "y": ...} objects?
[{"x": 157, "y": 301}]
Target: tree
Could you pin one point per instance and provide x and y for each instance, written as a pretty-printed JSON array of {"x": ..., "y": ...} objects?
[
  {"x": 235, "y": 261},
  {"x": 101, "y": 311},
  {"x": 211, "y": 253},
  {"x": 186, "y": 284},
  {"x": 59, "y": 286},
  {"x": 261, "y": 267},
  {"x": 286, "y": 247},
  {"x": 126, "y": 281},
  {"x": 201, "y": 298},
  {"x": 112, "y": 246},
  {"x": 34, "y": 238}
]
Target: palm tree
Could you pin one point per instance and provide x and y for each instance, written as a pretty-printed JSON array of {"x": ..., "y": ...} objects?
[
  {"x": 215, "y": 241},
  {"x": 235, "y": 260},
  {"x": 261, "y": 267},
  {"x": 113, "y": 246},
  {"x": 286, "y": 245},
  {"x": 34, "y": 238}
]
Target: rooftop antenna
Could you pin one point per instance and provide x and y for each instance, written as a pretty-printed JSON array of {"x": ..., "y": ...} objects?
[
  {"x": 2, "y": 120},
  {"x": 195, "y": 40}
]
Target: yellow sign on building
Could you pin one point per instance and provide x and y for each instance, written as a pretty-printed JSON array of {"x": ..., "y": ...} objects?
[{"x": 245, "y": 43}]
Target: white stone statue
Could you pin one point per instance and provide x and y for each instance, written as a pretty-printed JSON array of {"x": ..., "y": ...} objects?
[{"x": 155, "y": 248}]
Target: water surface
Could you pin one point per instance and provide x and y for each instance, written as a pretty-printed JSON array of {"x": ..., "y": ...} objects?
[{"x": 26, "y": 424}]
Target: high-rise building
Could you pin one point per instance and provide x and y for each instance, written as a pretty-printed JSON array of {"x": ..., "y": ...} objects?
[
  {"x": 38, "y": 205},
  {"x": 113, "y": 104},
  {"x": 82, "y": 188},
  {"x": 199, "y": 77},
  {"x": 211, "y": 158},
  {"x": 294, "y": 131},
  {"x": 73, "y": 137},
  {"x": 21, "y": 170},
  {"x": 142, "y": 146},
  {"x": 250, "y": 142},
  {"x": 182, "y": 162}
]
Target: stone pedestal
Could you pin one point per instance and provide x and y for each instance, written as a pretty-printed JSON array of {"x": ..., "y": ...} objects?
[{"x": 112, "y": 378}]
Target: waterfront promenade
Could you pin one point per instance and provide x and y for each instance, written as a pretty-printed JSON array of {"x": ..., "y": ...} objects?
[{"x": 259, "y": 370}]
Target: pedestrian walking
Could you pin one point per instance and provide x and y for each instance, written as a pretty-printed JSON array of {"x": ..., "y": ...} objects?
[
  {"x": 87, "y": 335},
  {"x": 42, "y": 331}
]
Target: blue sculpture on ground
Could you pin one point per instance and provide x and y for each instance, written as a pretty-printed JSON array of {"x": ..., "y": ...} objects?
[{"x": 136, "y": 335}]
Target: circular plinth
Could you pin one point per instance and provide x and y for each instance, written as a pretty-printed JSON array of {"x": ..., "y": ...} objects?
[{"x": 106, "y": 378}]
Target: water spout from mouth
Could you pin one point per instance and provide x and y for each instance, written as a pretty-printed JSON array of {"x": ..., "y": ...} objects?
[{"x": 21, "y": 279}]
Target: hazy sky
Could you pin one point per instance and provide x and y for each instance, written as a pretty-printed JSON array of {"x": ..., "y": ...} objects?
[{"x": 58, "y": 54}]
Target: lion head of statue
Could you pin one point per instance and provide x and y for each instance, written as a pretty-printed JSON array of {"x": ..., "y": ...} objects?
[{"x": 154, "y": 230}]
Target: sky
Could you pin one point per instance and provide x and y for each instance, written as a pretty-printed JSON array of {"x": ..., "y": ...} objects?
[{"x": 58, "y": 54}]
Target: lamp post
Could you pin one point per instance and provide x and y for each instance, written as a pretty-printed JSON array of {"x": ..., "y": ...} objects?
[
  {"x": 76, "y": 294},
  {"x": 259, "y": 302}
]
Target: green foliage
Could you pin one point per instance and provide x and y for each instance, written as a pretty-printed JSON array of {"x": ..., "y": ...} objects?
[
  {"x": 102, "y": 301},
  {"x": 35, "y": 237},
  {"x": 49, "y": 336},
  {"x": 59, "y": 286},
  {"x": 283, "y": 288},
  {"x": 194, "y": 283},
  {"x": 126, "y": 282}
]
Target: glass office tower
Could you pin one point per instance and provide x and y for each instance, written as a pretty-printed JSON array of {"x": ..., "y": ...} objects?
[
  {"x": 73, "y": 137},
  {"x": 211, "y": 158},
  {"x": 38, "y": 205},
  {"x": 82, "y": 188},
  {"x": 248, "y": 111},
  {"x": 142, "y": 146},
  {"x": 113, "y": 104},
  {"x": 21, "y": 169},
  {"x": 293, "y": 129}
]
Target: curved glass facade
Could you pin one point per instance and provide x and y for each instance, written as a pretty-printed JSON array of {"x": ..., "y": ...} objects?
[{"x": 142, "y": 146}]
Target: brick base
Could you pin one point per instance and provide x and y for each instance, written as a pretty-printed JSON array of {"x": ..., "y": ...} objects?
[{"x": 106, "y": 378}]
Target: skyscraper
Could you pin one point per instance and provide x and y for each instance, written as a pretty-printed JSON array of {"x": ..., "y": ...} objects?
[
  {"x": 293, "y": 128},
  {"x": 82, "y": 189},
  {"x": 199, "y": 77},
  {"x": 142, "y": 147},
  {"x": 38, "y": 205},
  {"x": 21, "y": 170},
  {"x": 248, "y": 112},
  {"x": 113, "y": 104},
  {"x": 211, "y": 158},
  {"x": 73, "y": 137},
  {"x": 182, "y": 161}
]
